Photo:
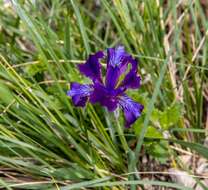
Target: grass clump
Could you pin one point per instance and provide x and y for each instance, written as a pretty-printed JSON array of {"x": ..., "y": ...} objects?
[{"x": 47, "y": 143}]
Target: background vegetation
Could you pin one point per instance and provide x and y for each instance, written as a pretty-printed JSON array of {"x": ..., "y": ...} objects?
[{"x": 47, "y": 143}]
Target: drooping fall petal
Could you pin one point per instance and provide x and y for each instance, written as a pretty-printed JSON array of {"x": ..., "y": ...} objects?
[
  {"x": 132, "y": 110},
  {"x": 79, "y": 93}
]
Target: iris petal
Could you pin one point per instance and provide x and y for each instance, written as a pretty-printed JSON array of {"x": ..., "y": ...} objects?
[
  {"x": 111, "y": 93},
  {"x": 79, "y": 93},
  {"x": 104, "y": 96},
  {"x": 116, "y": 56},
  {"x": 131, "y": 80},
  {"x": 117, "y": 62},
  {"x": 92, "y": 67},
  {"x": 132, "y": 110}
]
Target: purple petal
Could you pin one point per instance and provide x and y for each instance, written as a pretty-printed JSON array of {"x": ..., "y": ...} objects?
[
  {"x": 112, "y": 77},
  {"x": 104, "y": 96},
  {"x": 79, "y": 93},
  {"x": 92, "y": 67},
  {"x": 116, "y": 56},
  {"x": 131, "y": 80},
  {"x": 117, "y": 61},
  {"x": 132, "y": 110}
]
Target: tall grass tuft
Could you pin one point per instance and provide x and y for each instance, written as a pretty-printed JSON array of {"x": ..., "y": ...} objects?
[{"x": 47, "y": 143}]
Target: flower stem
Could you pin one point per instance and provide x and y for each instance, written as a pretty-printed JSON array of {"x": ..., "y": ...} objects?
[
  {"x": 128, "y": 151},
  {"x": 121, "y": 134}
]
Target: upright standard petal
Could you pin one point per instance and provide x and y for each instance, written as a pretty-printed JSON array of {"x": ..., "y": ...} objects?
[
  {"x": 117, "y": 61},
  {"x": 116, "y": 56},
  {"x": 132, "y": 110},
  {"x": 92, "y": 67},
  {"x": 131, "y": 80},
  {"x": 79, "y": 93}
]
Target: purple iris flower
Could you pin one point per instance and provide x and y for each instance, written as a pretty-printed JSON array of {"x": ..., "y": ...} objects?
[{"x": 121, "y": 74}]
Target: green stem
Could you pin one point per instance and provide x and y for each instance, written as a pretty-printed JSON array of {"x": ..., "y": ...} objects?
[
  {"x": 128, "y": 151},
  {"x": 121, "y": 135}
]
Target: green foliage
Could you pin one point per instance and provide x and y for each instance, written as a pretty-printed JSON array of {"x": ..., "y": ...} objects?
[
  {"x": 46, "y": 142},
  {"x": 159, "y": 150},
  {"x": 161, "y": 121},
  {"x": 169, "y": 117},
  {"x": 6, "y": 94}
]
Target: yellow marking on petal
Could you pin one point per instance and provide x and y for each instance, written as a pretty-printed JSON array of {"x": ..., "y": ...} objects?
[{"x": 122, "y": 76}]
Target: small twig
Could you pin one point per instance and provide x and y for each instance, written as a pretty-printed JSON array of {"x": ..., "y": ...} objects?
[
  {"x": 181, "y": 150},
  {"x": 167, "y": 173},
  {"x": 193, "y": 59},
  {"x": 178, "y": 20},
  {"x": 199, "y": 47},
  {"x": 50, "y": 61},
  {"x": 36, "y": 183}
]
